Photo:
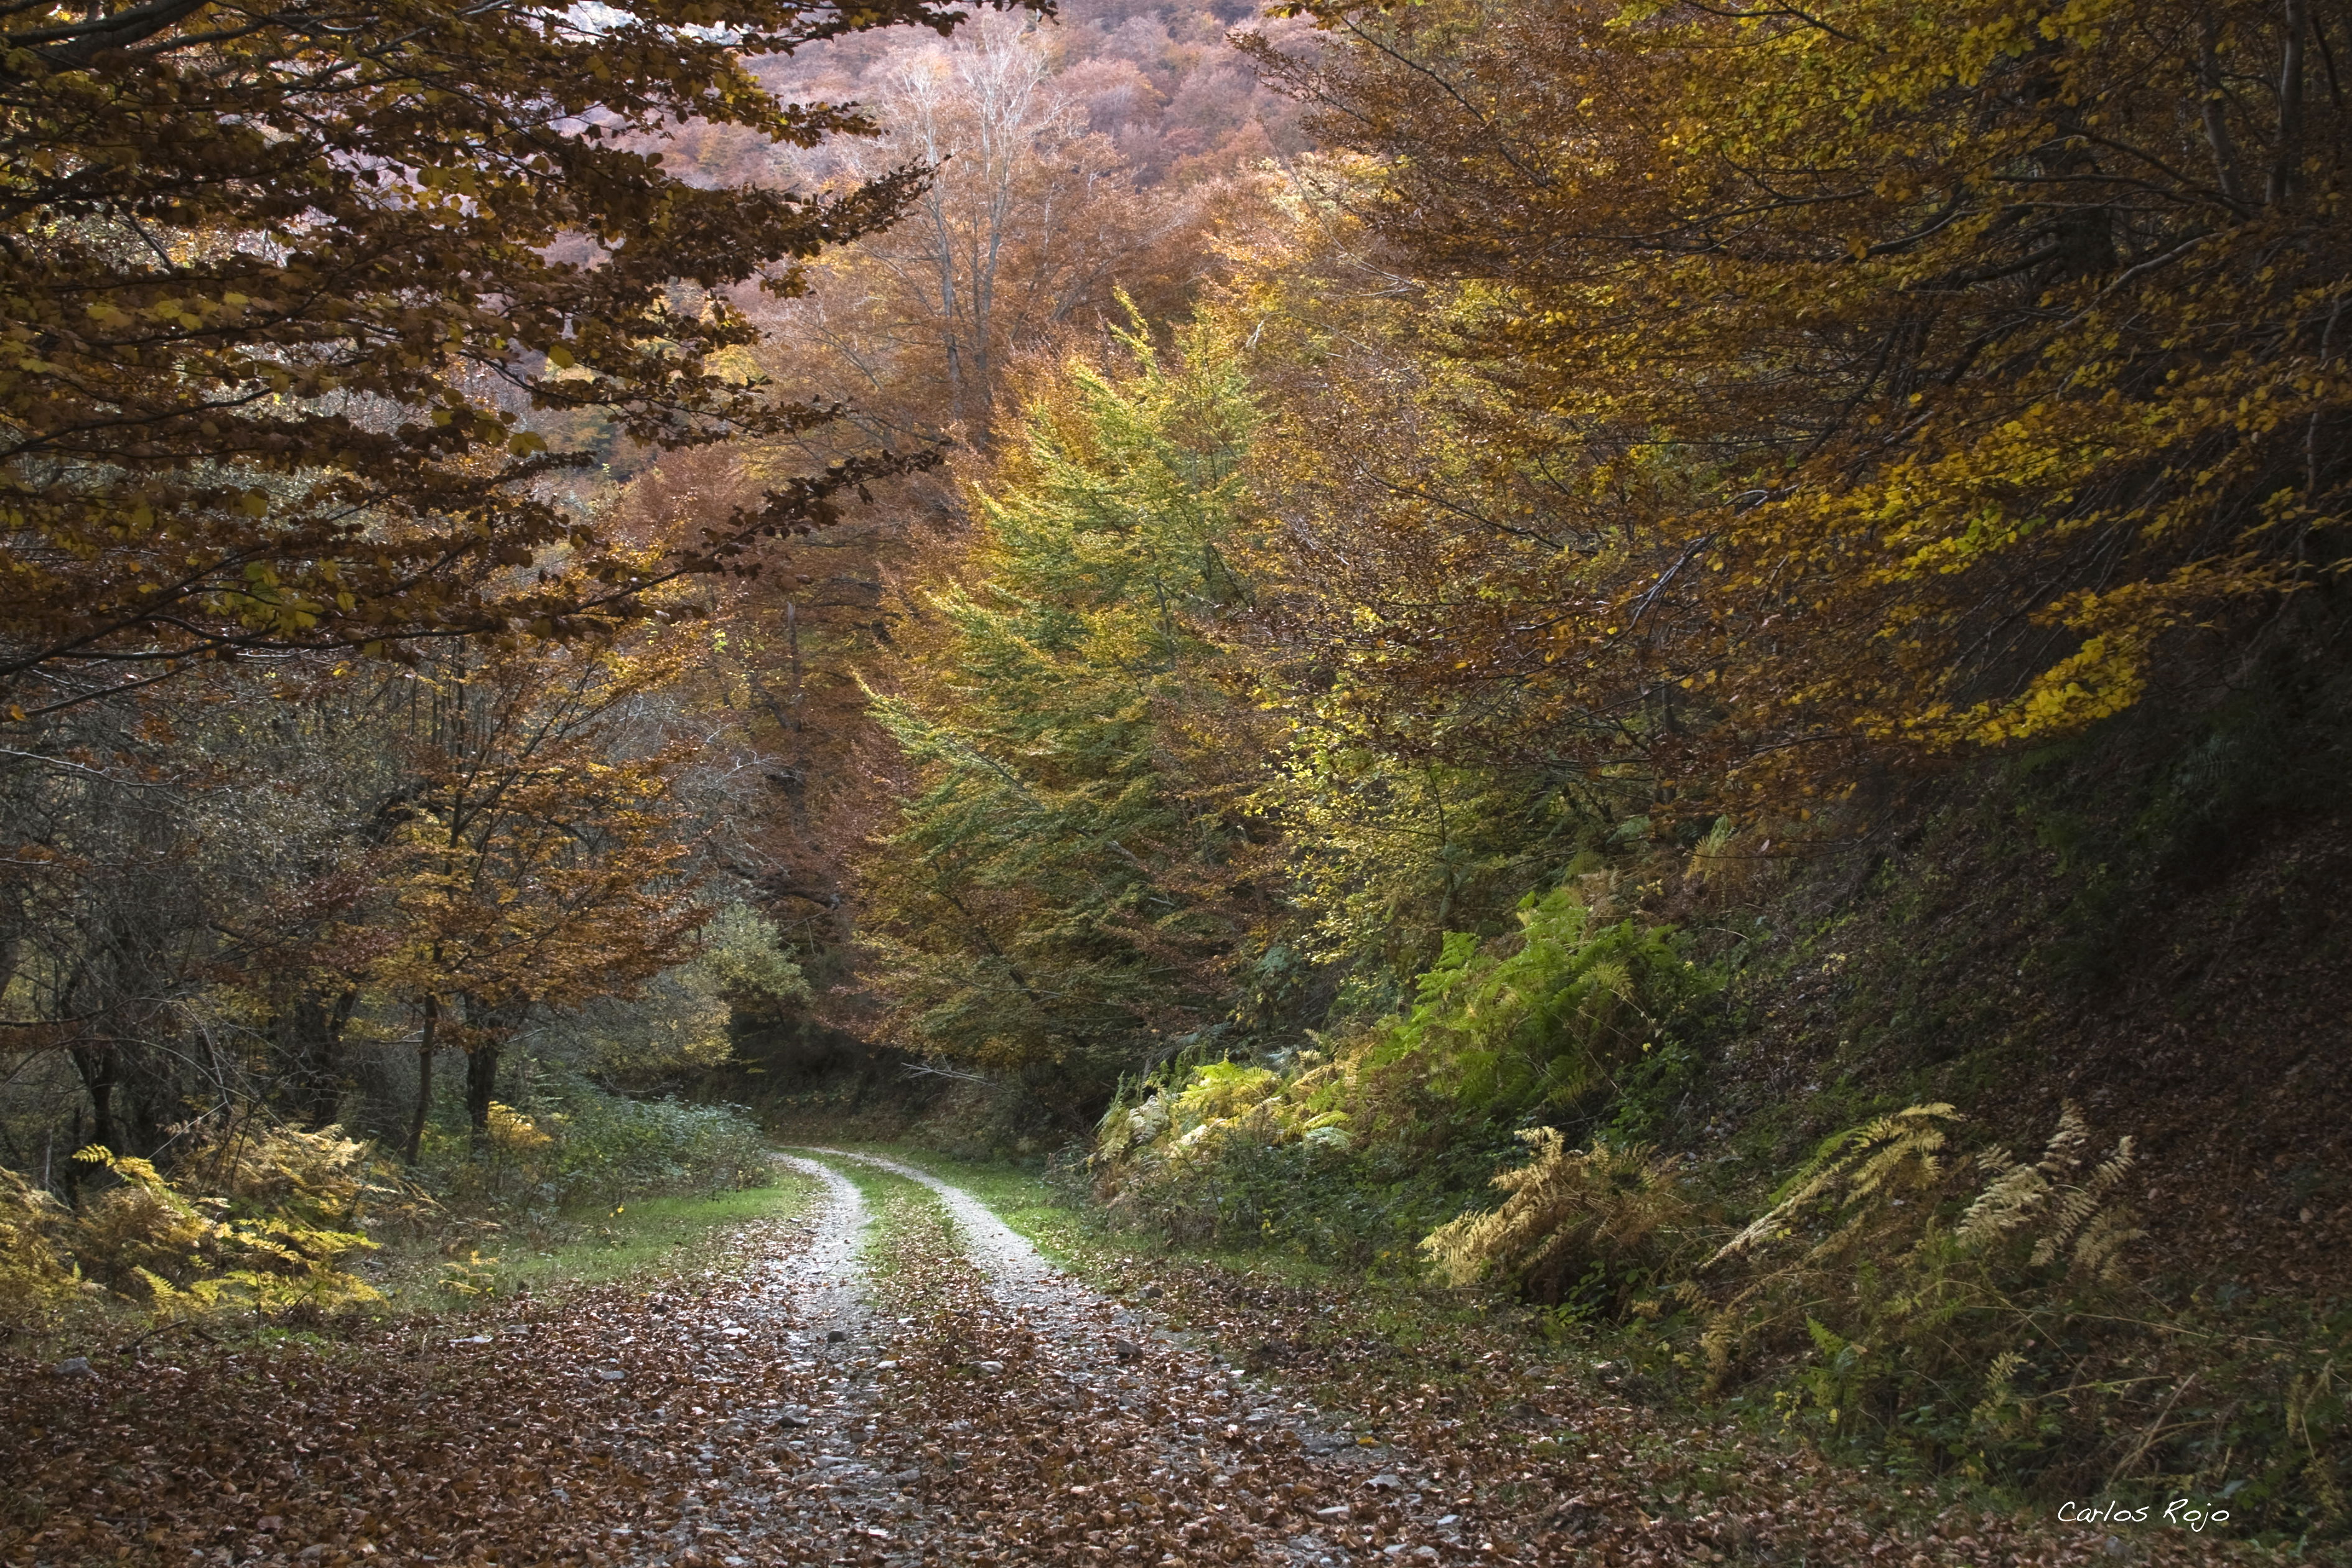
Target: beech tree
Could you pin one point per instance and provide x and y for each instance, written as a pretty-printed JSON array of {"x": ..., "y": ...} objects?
[
  {"x": 1864, "y": 386},
  {"x": 541, "y": 852},
  {"x": 1028, "y": 226},
  {"x": 280, "y": 288}
]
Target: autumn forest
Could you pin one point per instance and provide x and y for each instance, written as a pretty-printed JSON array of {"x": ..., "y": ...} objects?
[{"x": 1490, "y": 781}]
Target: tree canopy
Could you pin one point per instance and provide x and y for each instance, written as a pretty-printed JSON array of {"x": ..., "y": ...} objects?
[
  {"x": 282, "y": 288},
  {"x": 1875, "y": 383}
]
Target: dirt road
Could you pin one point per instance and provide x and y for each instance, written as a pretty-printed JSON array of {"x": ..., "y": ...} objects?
[{"x": 966, "y": 1401}]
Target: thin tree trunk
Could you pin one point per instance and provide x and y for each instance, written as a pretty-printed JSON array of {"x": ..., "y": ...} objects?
[
  {"x": 96, "y": 1070},
  {"x": 2217, "y": 126},
  {"x": 323, "y": 1078},
  {"x": 425, "y": 1048},
  {"x": 2286, "y": 166},
  {"x": 481, "y": 1088}
]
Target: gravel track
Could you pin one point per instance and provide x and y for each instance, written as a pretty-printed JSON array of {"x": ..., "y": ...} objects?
[{"x": 1090, "y": 1373}]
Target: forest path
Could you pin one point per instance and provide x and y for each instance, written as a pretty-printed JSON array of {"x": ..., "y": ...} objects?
[
  {"x": 994, "y": 1408},
  {"x": 876, "y": 1371},
  {"x": 810, "y": 1309}
]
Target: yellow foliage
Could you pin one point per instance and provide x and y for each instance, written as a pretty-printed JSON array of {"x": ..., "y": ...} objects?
[
  {"x": 474, "y": 1276},
  {"x": 1905, "y": 1286},
  {"x": 2074, "y": 1218},
  {"x": 1607, "y": 1210},
  {"x": 34, "y": 1271},
  {"x": 1750, "y": 396},
  {"x": 1185, "y": 1124},
  {"x": 259, "y": 1220},
  {"x": 1889, "y": 1155},
  {"x": 142, "y": 1230},
  {"x": 513, "y": 1132}
]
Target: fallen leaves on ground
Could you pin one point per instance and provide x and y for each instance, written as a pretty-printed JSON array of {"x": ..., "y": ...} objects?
[
  {"x": 500, "y": 1437},
  {"x": 628, "y": 1424}
]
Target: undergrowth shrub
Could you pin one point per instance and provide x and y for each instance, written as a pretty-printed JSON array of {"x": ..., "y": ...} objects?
[
  {"x": 1945, "y": 1332},
  {"x": 1542, "y": 1018},
  {"x": 36, "y": 1274},
  {"x": 1978, "y": 1315},
  {"x": 1360, "y": 1208},
  {"x": 1357, "y": 1150},
  {"x": 260, "y": 1218},
  {"x": 1938, "y": 1311},
  {"x": 1934, "y": 1311},
  {"x": 1594, "y": 1229},
  {"x": 589, "y": 1147}
]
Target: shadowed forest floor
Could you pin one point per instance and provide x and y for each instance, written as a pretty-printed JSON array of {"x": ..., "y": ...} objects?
[{"x": 879, "y": 1371}]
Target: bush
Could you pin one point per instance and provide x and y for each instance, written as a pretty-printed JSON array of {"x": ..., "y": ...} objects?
[
  {"x": 1976, "y": 1315},
  {"x": 601, "y": 1148},
  {"x": 1897, "y": 1300},
  {"x": 35, "y": 1271},
  {"x": 259, "y": 1217},
  {"x": 1590, "y": 1229},
  {"x": 609, "y": 1148},
  {"x": 1541, "y": 1018},
  {"x": 1360, "y": 1208},
  {"x": 1357, "y": 1154}
]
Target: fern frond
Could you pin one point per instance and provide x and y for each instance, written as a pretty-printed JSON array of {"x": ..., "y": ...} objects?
[
  {"x": 2063, "y": 1152},
  {"x": 1562, "y": 1209},
  {"x": 2008, "y": 1203},
  {"x": 2098, "y": 1254},
  {"x": 1863, "y": 1161},
  {"x": 1911, "y": 1145},
  {"x": 2113, "y": 1169}
]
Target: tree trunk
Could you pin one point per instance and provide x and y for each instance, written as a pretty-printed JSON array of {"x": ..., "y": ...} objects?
[
  {"x": 315, "y": 1042},
  {"x": 326, "y": 1086},
  {"x": 96, "y": 1068},
  {"x": 481, "y": 1088},
  {"x": 2287, "y": 166},
  {"x": 424, "y": 1047}
]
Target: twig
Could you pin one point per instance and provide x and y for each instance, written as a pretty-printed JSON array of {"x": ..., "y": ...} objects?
[
  {"x": 129, "y": 1348},
  {"x": 921, "y": 1069}
]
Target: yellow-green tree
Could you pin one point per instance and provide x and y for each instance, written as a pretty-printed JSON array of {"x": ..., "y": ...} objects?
[{"x": 1070, "y": 877}]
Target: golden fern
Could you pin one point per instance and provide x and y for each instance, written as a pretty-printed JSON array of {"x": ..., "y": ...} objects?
[
  {"x": 2073, "y": 1218},
  {"x": 1564, "y": 1209},
  {"x": 1863, "y": 1161},
  {"x": 2008, "y": 1201},
  {"x": 34, "y": 1271}
]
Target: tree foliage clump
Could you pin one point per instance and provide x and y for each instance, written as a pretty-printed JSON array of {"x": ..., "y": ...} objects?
[
  {"x": 1812, "y": 391},
  {"x": 1069, "y": 881},
  {"x": 284, "y": 288}
]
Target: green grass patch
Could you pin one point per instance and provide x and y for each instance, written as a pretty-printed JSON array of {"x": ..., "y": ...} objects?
[
  {"x": 1078, "y": 1236},
  {"x": 651, "y": 1235}
]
